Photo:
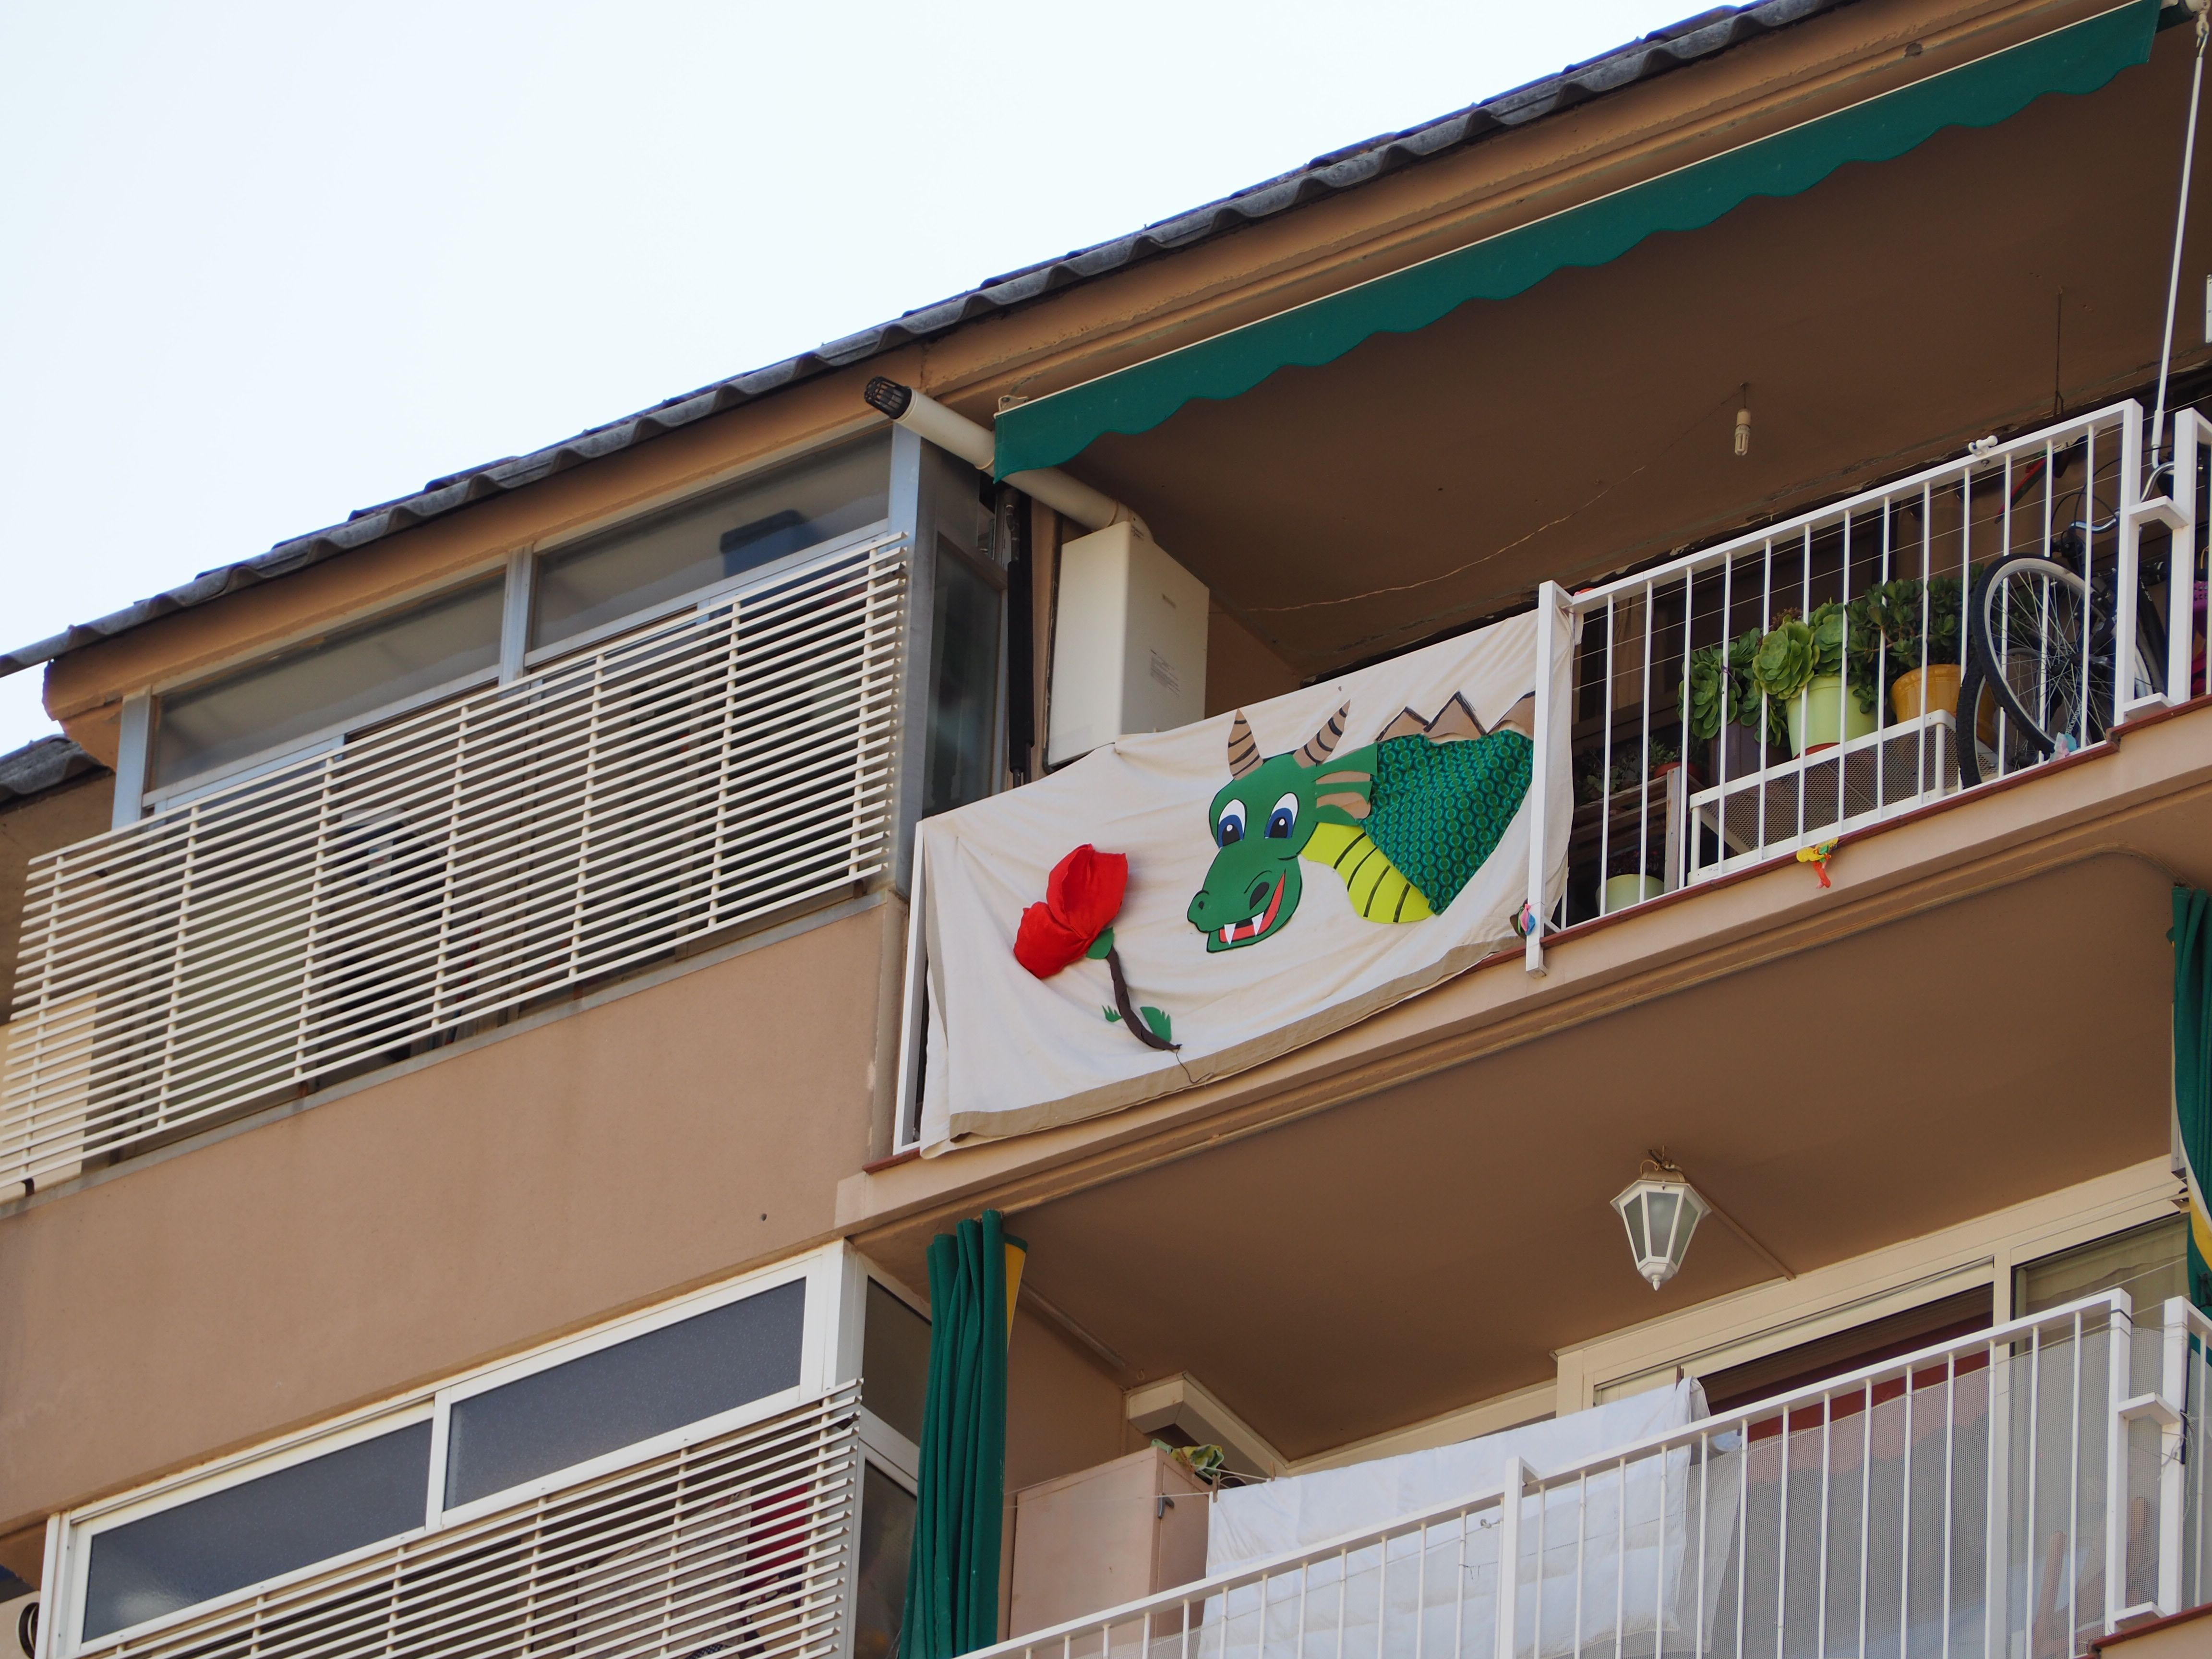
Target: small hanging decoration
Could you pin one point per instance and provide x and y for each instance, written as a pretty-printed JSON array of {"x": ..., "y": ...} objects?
[
  {"x": 1524, "y": 920},
  {"x": 1082, "y": 897},
  {"x": 1818, "y": 857}
]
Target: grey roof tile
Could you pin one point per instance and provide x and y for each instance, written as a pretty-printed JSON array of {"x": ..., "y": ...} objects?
[{"x": 43, "y": 764}]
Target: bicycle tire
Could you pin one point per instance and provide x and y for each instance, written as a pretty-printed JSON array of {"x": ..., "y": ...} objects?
[
  {"x": 1989, "y": 659},
  {"x": 1963, "y": 720},
  {"x": 1966, "y": 720}
]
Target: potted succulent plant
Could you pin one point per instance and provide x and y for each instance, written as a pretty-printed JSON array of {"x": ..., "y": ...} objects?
[
  {"x": 1593, "y": 783},
  {"x": 1722, "y": 702},
  {"x": 1820, "y": 669},
  {"x": 1920, "y": 624}
]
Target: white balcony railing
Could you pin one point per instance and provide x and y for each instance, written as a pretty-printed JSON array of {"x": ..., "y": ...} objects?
[
  {"x": 2011, "y": 1495},
  {"x": 1660, "y": 805},
  {"x": 430, "y": 877},
  {"x": 737, "y": 1543}
]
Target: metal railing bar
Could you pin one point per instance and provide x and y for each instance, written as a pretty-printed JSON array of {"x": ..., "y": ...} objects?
[
  {"x": 257, "y": 837},
  {"x": 2107, "y": 418},
  {"x": 128, "y": 1129}
]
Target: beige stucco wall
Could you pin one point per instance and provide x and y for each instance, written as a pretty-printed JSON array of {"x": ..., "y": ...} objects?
[
  {"x": 1063, "y": 1412},
  {"x": 1239, "y": 668},
  {"x": 479, "y": 1204}
]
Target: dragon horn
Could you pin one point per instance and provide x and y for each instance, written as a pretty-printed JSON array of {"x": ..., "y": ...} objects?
[
  {"x": 1244, "y": 752},
  {"x": 1320, "y": 747}
]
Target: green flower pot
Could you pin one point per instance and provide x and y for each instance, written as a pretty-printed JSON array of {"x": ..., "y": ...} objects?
[
  {"x": 1621, "y": 891},
  {"x": 1826, "y": 714}
]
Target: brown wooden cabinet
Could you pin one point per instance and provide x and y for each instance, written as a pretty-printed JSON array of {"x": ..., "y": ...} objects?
[{"x": 1105, "y": 1535}]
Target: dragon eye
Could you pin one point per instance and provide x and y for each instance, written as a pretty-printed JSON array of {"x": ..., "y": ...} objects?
[
  {"x": 1232, "y": 826},
  {"x": 1285, "y": 815}
]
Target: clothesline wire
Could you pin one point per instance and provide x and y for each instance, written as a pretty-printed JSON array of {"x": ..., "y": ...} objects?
[{"x": 1602, "y": 490}]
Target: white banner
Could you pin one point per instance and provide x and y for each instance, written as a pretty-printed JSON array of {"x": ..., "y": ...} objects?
[{"x": 1293, "y": 867}]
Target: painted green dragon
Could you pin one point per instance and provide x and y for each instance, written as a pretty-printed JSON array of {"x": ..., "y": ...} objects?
[{"x": 1406, "y": 821}]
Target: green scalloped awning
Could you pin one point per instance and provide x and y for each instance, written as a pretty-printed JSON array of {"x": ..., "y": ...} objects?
[{"x": 2078, "y": 58}]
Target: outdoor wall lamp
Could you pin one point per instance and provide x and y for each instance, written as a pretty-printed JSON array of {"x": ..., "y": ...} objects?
[{"x": 1661, "y": 1211}]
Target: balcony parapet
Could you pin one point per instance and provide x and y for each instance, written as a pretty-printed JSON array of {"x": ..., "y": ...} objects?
[{"x": 1678, "y": 758}]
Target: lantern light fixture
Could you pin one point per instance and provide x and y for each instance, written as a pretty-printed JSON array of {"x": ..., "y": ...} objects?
[{"x": 1660, "y": 1211}]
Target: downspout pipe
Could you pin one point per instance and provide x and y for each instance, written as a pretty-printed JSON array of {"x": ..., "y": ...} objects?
[{"x": 956, "y": 435}]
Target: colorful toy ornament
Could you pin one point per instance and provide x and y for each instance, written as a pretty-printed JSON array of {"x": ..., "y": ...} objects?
[
  {"x": 1818, "y": 857},
  {"x": 1082, "y": 897}
]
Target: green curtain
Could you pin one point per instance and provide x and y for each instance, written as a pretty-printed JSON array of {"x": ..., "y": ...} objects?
[
  {"x": 2192, "y": 1073},
  {"x": 2077, "y": 59},
  {"x": 952, "y": 1576}
]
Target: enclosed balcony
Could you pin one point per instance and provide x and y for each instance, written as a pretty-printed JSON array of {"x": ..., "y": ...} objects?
[
  {"x": 377, "y": 898},
  {"x": 431, "y": 822},
  {"x": 711, "y": 1475}
]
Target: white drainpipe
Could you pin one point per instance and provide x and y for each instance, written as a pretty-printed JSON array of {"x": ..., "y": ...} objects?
[{"x": 956, "y": 435}]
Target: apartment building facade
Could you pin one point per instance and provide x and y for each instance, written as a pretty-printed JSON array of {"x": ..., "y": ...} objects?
[{"x": 509, "y": 987}]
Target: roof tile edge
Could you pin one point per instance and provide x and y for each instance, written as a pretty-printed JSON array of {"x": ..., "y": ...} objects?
[{"x": 1331, "y": 173}]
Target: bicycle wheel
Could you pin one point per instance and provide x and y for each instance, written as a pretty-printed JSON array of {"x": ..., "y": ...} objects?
[
  {"x": 2037, "y": 638},
  {"x": 2021, "y": 746}
]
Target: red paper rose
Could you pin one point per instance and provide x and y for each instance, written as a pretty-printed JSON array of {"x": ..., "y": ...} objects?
[{"x": 1081, "y": 899}]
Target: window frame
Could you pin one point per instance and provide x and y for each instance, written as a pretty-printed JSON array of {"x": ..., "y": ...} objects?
[
  {"x": 994, "y": 576},
  {"x": 159, "y": 798},
  {"x": 899, "y": 1454},
  {"x": 816, "y": 1333},
  {"x": 79, "y": 1530},
  {"x": 824, "y": 1350},
  {"x": 524, "y": 611},
  {"x": 922, "y": 480},
  {"x": 516, "y": 661},
  {"x": 2017, "y": 1275},
  {"x": 909, "y": 1483},
  {"x": 714, "y": 595},
  {"x": 898, "y": 1458}
]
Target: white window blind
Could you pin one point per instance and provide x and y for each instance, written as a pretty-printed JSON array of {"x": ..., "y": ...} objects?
[
  {"x": 738, "y": 1542},
  {"x": 318, "y": 918}
]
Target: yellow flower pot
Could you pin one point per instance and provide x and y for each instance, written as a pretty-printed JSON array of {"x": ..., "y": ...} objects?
[{"x": 1943, "y": 691}]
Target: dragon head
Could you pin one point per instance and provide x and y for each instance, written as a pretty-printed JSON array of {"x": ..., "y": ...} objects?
[{"x": 1260, "y": 822}]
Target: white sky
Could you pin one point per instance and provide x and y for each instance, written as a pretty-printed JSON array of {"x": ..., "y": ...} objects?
[{"x": 265, "y": 261}]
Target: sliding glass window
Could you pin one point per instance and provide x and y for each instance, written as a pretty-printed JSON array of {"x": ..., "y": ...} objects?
[
  {"x": 321, "y": 684},
  {"x": 732, "y": 533},
  {"x": 274, "y": 1523},
  {"x": 620, "y": 1395}
]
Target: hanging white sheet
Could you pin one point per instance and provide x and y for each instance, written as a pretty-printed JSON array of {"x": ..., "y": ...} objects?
[
  {"x": 1249, "y": 1523},
  {"x": 1617, "y": 1556},
  {"x": 1282, "y": 860}
]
